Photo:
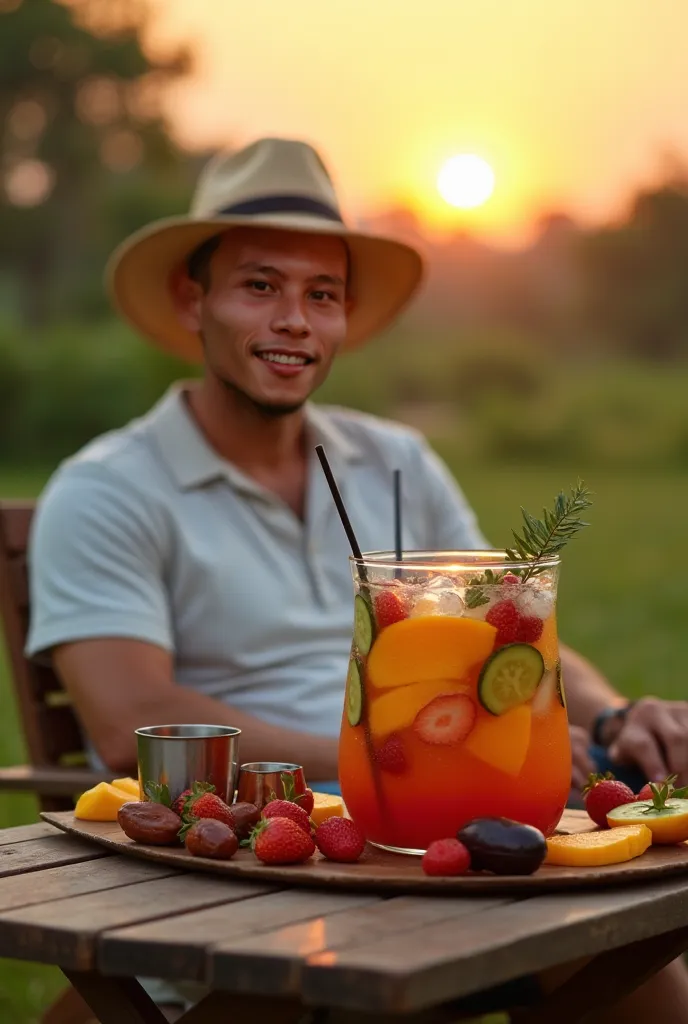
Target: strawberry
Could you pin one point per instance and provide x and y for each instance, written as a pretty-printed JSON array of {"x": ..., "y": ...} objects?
[
  {"x": 178, "y": 805},
  {"x": 281, "y": 841},
  {"x": 391, "y": 756},
  {"x": 505, "y": 617},
  {"x": 645, "y": 793},
  {"x": 510, "y": 577},
  {"x": 306, "y": 800},
  {"x": 389, "y": 608},
  {"x": 447, "y": 719},
  {"x": 205, "y": 803},
  {"x": 446, "y": 857},
  {"x": 340, "y": 839},
  {"x": 529, "y": 629},
  {"x": 287, "y": 809},
  {"x": 602, "y": 794}
]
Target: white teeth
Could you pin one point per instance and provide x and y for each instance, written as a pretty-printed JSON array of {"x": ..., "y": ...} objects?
[{"x": 274, "y": 357}]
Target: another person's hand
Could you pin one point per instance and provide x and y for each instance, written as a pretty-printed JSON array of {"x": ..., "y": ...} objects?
[
  {"x": 654, "y": 736},
  {"x": 582, "y": 764}
]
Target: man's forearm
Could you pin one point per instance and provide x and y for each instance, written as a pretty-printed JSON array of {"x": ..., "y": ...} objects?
[
  {"x": 587, "y": 690},
  {"x": 260, "y": 741}
]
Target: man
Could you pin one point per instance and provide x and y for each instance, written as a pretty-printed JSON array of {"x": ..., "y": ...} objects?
[{"x": 192, "y": 567}]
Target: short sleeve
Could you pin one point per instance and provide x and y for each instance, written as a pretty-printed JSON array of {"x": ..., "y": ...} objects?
[
  {"x": 96, "y": 563},
  {"x": 451, "y": 522}
]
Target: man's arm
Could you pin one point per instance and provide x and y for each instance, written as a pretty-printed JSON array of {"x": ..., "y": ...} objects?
[{"x": 119, "y": 685}]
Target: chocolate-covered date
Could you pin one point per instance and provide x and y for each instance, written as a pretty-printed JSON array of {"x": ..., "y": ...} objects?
[
  {"x": 209, "y": 837},
  {"x": 148, "y": 822},
  {"x": 245, "y": 816},
  {"x": 502, "y": 846}
]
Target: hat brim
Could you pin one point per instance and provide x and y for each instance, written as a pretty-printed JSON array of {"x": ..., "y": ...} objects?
[{"x": 384, "y": 274}]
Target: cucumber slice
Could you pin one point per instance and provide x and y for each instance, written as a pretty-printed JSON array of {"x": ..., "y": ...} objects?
[
  {"x": 354, "y": 694},
  {"x": 364, "y": 630},
  {"x": 561, "y": 692},
  {"x": 510, "y": 677}
]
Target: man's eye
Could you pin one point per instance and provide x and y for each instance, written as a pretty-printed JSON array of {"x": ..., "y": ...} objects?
[
  {"x": 323, "y": 296},
  {"x": 259, "y": 286}
]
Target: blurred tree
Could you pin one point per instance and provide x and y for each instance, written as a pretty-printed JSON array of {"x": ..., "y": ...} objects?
[
  {"x": 636, "y": 273},
  {"x": 80, "y": 113}
]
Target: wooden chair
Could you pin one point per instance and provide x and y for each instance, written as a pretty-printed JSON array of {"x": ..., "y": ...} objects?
[{"x": 56, "y": 769}]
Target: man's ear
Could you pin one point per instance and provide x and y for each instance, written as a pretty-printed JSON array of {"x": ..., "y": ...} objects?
[{"x": 186, "y": 298}]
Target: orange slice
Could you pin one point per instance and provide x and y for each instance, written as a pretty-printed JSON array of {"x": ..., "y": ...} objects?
[
  {"x": 101, "y": 803},
  {"x": 667, "y": 826},
  {"x": 326, "y": 805},
  {"x": 502, "y": 741},
  {"x": 427, "y": 648},
  {"x": 594, "y": 849},
  {"x": 397, "y": 708}
]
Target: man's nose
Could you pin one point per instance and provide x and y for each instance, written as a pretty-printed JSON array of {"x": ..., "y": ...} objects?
[{"x": 291, "y": 319}]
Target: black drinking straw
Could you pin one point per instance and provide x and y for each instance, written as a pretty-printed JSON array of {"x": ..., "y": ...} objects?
[
  {"x": 343, "y": 515},
  {"x": 397, "y": 519}
]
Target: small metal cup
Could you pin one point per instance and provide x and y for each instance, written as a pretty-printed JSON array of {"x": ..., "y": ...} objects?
[
  {"x": 259, "y": 781},
  {"x": 179, "y": 755}
]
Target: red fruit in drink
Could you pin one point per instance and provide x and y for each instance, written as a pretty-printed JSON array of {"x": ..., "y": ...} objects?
[
  {"x": 506, "y": 618},
  {"x": 529, "y": 629},
  {"x": 510, "y": 577},
  {"x": 602, "y": 794},
  {"x": 340, "y": 839},
  {"x": 287, "y": 809},
  {"x": 445, "y": 720},
  {"x": 389, "y": 608},
  {"x": 391, "y": 755},
  {"x": 446, "y": 857}
]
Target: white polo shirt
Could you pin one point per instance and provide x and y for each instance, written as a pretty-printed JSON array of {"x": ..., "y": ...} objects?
[{"x": 148, "y": 533}]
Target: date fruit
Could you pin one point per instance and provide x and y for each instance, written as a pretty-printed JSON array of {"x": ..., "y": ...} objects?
[
  {"x": 245, "y": 816},
  {"x": 502, "y": 846},
  {"x": 209, "y": 837},
  {"x": 147, "y": 822}
]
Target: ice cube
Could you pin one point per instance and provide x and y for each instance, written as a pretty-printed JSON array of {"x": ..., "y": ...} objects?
[
  {"x": 533, "y": 599},
  {"x": 436, "y": 601}
]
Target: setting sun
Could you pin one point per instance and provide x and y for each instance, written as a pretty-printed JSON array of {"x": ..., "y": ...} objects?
[{"x": 466, "y": 181}]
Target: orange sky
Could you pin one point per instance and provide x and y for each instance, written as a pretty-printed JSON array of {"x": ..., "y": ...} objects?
[{"x": 573, "y": 102}]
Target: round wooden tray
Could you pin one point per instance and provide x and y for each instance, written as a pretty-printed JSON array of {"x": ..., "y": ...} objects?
[{"x": 389, "y": 872}]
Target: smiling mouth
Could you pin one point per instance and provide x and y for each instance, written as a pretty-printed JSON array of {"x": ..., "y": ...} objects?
[{"x": 284, "y": 359}]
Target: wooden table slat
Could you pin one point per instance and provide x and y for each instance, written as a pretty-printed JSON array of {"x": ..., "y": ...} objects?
[
  {"x": 445, "y": 961},
  {"x": 21, "y": 833},
  {"x": 272, "y": 962},
  {"x": 177, "y": 947},
  {"x": 76, "y": 879},
  {"x": 37, "y": 854},
  {"x": 64, "y": 931}
]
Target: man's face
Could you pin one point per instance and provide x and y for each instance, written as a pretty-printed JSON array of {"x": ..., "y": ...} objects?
[{"x": 272, "y": 314}]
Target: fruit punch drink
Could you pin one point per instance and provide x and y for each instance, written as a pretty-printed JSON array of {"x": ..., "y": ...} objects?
[{"x": 454, "y": 705}]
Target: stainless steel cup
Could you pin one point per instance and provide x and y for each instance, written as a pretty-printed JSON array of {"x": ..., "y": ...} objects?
[
  {"x": 260, "y": 781},
  {"x": 179, "y": 755}
]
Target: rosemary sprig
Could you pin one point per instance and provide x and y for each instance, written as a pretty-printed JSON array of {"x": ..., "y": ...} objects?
[{"x": 541, "y": 539}]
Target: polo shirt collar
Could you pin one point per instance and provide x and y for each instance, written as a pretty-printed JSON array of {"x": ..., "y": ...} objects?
[{"x": 194, "y": 462}]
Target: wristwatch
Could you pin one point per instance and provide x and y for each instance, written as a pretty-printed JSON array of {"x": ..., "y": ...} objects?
[{"x": 606, "y": 715}]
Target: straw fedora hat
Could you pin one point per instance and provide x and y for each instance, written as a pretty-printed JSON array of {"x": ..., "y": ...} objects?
[{"x": 273, "y": 183}]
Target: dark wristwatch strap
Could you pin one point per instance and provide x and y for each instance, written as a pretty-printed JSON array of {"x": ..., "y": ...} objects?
[{"x": 604, "y": 716}]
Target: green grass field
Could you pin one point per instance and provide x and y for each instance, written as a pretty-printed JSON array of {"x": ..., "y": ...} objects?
[{"x": 623, "y": 603}]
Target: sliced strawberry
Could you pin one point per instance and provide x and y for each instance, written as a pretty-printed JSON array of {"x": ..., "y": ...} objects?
[
  {"x": 505, "y": 617},
  {"x": 445, "y": 720},
  {"x": 391, "y": 756},
  {"x": 389, "y": 608},
  {"x": 529, "y": 629}
]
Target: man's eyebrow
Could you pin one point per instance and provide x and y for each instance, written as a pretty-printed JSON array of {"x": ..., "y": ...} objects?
[
  {"x": 261, "y": 268},
  {"x": 328, "y": 279}
]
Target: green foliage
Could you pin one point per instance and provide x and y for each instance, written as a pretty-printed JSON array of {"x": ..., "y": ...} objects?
[{"x": 542, "y": 539}]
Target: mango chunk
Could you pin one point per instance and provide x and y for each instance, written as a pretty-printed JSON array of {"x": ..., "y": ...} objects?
[
  {"x": 593, "y": 849},
  {"x": 128, "y": 785},
  {"x": 101, "y": 803},
  {"x": 427, "y": 648},
  {"x": 397, "y": 708},
  {"x": 326, "y": 805},
  {"x": 503, "y": 741}
]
